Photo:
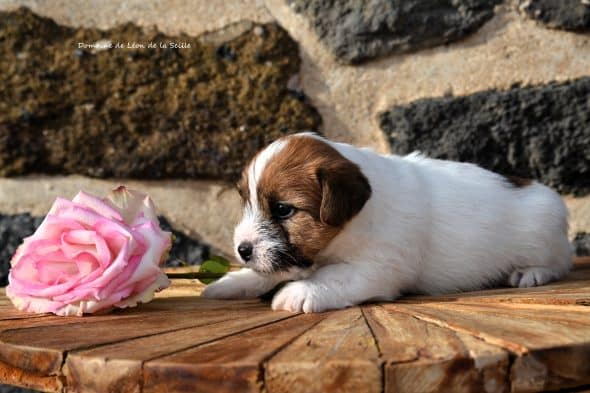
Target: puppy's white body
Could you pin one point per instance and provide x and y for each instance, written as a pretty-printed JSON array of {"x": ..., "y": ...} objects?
[
  {"x": 442, "y": 226},
  {"x": 429, "y": 226}
]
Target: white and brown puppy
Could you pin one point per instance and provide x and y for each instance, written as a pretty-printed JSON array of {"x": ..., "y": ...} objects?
[{"x": 349, "y": 225}]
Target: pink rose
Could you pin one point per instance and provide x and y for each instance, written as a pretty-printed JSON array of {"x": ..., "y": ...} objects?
[{"x": 90, "y": 254}]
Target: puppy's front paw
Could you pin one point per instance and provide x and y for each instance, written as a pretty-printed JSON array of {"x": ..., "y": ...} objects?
[
  {"x": 234, "y": 285},
  {"x": 223, "y": 290},
  {"x": 298, "y": 296},
  {"x": 531, "y": 277}
]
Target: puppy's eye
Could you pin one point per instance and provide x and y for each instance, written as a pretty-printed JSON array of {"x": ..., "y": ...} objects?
[{"x": 282, "y": 211}]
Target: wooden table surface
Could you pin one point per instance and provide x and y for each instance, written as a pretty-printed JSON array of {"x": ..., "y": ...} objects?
[{"x": 490, "y": 341}]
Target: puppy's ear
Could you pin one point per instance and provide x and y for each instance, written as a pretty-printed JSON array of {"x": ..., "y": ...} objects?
[{"x": 345, "y": 190}]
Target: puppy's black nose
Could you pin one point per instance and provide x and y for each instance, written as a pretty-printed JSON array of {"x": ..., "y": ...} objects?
[{"x": 245, "y": 251}]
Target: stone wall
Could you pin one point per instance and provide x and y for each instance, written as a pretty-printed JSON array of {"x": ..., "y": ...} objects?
[
  {"x": 198, "y": 110},
  {"x": 503, "y": 83}
]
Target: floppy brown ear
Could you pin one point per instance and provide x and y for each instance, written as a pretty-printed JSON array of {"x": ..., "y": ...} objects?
[{"x": 345, "y": 190}]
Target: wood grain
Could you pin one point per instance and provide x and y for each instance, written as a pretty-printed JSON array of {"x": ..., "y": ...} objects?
[
  {"x": 40, "y": 349},
  {"x": 551, "y": 343},
  {"x": 518, "y": 328},
  {"x": 229, "y": 365},
  {"x": 337, "y": 355},
  {"x": 551, "y": 368},
  {"x": 16, "y": 376},
  {"x": 423, "y": 357},
  {"x": 574, "y": 291},
  {"x": 118, "y": 367}
]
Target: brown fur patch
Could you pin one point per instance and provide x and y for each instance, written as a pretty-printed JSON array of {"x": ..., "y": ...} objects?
[
  {"x": 518, "y": 181},
  {"x": 326, "y": 189}
]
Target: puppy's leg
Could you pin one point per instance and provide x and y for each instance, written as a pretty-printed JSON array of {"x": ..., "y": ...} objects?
[
  {"x": 533, "y": 276},
  {"x": 243, "y": 284},
  {"x": 333, "y": 287}
]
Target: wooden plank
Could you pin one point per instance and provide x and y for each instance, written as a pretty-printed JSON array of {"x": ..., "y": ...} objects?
[
  {"x": 36, "y": 343},
  {"x": 575, "y": 290},
  {"x": 229, "y": 365},
  {"x": 9, "y": 312},
  {"x": 187, "y": 303},
  {"x": 27, "y": 362},
  {"x": 159, "y": 307},
  {"x": 581, "y": 262},
  {"x": 551, "y": 368},
  {"x": 13, "y": 315},
  {"x": 182, "y": 287},
  {"x": 423, "y": 357},
  {"x": 9, "y": 315},
  {"x": 571, "y": 290},
  {"x": 16, "y": 376},
  {"x": 117, "y": 315},
  {"x": 117, "y": 367},
  {"x": 552, "y": 343},
  {"x": 40, "y": 349},
  {"x": 337, "y": 355},
  {"x": 183, "y": 294},
  {"x": 491, "y": 361},
  {"x": 518, "y": 327}
]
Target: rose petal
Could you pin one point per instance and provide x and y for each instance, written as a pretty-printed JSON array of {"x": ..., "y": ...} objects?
[
  {"x": 87, "y": 217},
  {"x": 116, "y": 235},
  {"x": 76, "y": 242},
  {"x": 52, "y": 227},
  {"x": 161, "y": 282},
  {"x": 98, "y": 205},
  {"x": 158, "y": 243},
  {"x": 123, "y": 279},
  {"x": 132, "y": 205},
  {"x": 38, "y": 247},
  {"x": 33, "y": 304},
  {"x": 26, "y": 271},
  {"x": 87, "y": 264},
  {"x": 56, "y": 272},
  {"x": 113, "y": 270},
  {"x": 26, "y": 283}
]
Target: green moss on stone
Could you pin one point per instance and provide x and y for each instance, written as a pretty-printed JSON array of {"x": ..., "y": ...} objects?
[{"x": 193, "y": 112}]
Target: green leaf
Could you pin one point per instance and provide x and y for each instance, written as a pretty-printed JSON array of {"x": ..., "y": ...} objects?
[
  {"x": 219, "y": 259},
  {"x": 215, "y": 264}
]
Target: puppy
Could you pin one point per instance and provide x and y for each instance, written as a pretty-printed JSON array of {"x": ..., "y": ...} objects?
[{"x": 347, "y": 226}]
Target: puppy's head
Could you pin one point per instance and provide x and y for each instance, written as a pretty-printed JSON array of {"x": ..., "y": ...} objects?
[{"x": 298, "y": 194}]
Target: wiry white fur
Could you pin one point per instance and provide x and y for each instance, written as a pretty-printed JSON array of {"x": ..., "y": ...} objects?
[
  {"x": 249, "y": 229},
  {"x": 431, "y": 226},
  {"x": 244, "y": 283}
]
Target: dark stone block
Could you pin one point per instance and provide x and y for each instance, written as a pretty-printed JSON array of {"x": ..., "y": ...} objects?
[
  {"x": 198, "y": 112},
  {"x": 573, "y": 15},
  {"x": 581, "y": 244},
  {"x": 540, "y": 132},
  {"x": 185, "y": 250},
  {"x": 360, "y": 30},
  {"x": 14, "y": 228}
]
